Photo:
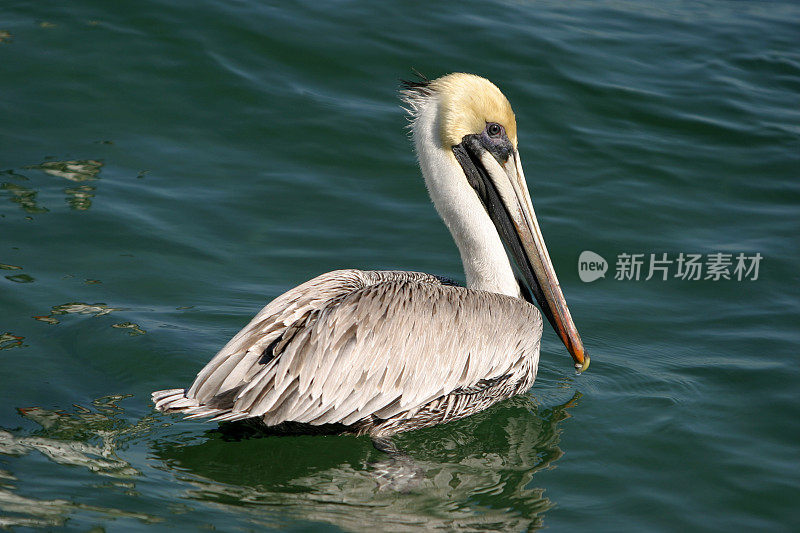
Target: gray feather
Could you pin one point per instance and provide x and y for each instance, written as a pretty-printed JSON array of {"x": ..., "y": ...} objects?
[{"x": 353, "y": 347}]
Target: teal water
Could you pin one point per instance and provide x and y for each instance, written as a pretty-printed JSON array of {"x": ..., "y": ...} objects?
[{"x": 169, "y": 167}]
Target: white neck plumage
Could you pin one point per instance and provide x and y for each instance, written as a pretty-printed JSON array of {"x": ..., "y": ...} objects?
[{"x": 486, "y": 263}]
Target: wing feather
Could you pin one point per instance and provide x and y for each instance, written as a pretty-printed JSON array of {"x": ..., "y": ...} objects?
[{"x": 352, "y": 344}]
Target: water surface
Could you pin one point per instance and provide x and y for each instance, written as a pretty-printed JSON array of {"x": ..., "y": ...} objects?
[{"x": 167, "y": 168}]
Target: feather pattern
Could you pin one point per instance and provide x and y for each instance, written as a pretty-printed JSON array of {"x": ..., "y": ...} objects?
[{"x": 379, "y": 351}]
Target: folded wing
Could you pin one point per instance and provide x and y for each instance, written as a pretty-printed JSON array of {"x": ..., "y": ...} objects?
[{"x": 353, "y": 344}]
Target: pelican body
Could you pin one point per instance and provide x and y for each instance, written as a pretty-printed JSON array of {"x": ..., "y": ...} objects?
[{"x": 379, "y": 352}]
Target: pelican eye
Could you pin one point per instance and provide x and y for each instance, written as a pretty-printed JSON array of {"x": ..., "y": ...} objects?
[{"x": 494, "y": 129}]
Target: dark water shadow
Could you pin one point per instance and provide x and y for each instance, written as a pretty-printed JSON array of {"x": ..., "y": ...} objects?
[{"x": 477, "y": 474}]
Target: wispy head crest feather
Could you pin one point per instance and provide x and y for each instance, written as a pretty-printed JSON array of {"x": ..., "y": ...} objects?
[{"x": 412, "y": 92}]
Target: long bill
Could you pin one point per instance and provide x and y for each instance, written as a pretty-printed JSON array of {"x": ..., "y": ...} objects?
[{"x": 504, "y": 193}]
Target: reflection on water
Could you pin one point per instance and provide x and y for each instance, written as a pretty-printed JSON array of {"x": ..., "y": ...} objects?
[
  {"x": 477, "y": 474},
  {"x": 65, "y": 438},
  {"x": 20, "y": 278},
  {"x": 95, "y": 310},
  {"x": 78, "y": 197},
  {"x": 87, "y": 438},
  {"x": 76, "y": 308},
  {"x": 83, "y": 170},
  {"x": 31, "y": 512},
  {"x": 23, "y": 196},
  {"x": 9, "y": 340},
  {"x": 133, "y": 329}
]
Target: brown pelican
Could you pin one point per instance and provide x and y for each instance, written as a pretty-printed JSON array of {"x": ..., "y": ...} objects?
[{"x": 379, "y": 352}]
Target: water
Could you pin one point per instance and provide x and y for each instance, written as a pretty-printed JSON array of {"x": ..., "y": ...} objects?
[{"x": 169, "y": 167}]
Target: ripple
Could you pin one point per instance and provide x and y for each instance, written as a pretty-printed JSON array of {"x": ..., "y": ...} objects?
[
  {"x": 25, "y": 197},
  {"x": 80, "y": 197},
  {"x": 20, "y": 278},
  {"x": 94, "y": 310},
  {"x": 87, "y": 438},
  {"x": 76, "y": 308},
  {"x": 78, "y": 170},
  {"x": 133, "y": 329},
  {"x": 9, "y": 340}
]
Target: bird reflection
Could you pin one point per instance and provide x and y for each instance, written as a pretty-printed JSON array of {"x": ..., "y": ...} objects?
[{"x": 476, "y": 473}]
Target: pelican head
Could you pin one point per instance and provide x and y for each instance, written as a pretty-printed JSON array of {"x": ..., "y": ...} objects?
[{"x": 465, "y": 135}]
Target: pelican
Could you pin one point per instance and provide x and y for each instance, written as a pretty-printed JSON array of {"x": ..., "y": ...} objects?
[{"x": 380, "y": 352}]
